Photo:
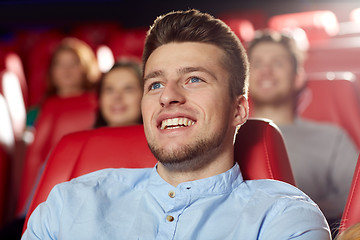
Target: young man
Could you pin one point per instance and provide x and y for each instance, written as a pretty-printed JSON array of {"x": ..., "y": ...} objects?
[
  {"x": 322, "y": 156},
  {"x": 195, "y": 73}
]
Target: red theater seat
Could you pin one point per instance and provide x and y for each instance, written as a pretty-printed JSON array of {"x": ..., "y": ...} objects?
[
  {"x": 128, "y": 43},
  {"x": 257, "y": 17},
  {"x": 318, "y": 25},
  {"x": 351, "y": 213},
  {"x": 243, "y": 28},
  {"x": 336, "y": 54},
  {"x": 336, "y": 101},
  {"x": 96, "y": 33},
  {"x": 58, "y": 117},
  {"x": 4, "y": 170},
  {"x": 37, "y": 63},
  {"x": 259, "y": 149}
]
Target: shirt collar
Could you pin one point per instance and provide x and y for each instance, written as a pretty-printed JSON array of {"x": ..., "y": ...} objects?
[{"x": 218, "y": 184}]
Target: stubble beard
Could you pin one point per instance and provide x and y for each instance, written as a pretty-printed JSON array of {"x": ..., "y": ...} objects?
[
  {"x": 191, "y": 156},
  {"x": 278, "y": 100}
]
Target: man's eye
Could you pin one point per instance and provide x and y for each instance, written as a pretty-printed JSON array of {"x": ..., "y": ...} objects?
[
  {"x": 194, "y": 80},
  {"x": 155, "y": 86}
]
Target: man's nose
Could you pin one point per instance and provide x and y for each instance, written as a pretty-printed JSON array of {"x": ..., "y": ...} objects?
[{"x": 172, "y": 94}]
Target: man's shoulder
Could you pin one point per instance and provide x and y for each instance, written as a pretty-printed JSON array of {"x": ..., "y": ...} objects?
[
  {"x": 269, "y": 190},
  {"x": 131, "y": 177},
  {"x": 320, "y": 127},
  {"x": 304, "y": 128}
]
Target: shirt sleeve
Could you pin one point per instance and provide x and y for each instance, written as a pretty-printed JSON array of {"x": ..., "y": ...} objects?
[
  {"x": 44, "y": 221},
  {"x": 300, "y": 220}
]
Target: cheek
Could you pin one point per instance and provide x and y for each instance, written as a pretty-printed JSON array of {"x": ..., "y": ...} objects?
[
  {"x": 104, "y": 102},
  {"x": 134, "y": 102},
  {"x": 134, "y": 98},
  {"x": 144, "y": 108}
]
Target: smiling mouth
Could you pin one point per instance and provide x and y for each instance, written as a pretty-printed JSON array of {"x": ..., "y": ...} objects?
[
  {"x": 173, "y": 123},
  {"x": 267, "y": 84}
]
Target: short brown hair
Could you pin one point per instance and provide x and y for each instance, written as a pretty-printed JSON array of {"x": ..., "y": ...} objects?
[
  {"x": 194, "y": 26},
  {"x": 288, "y": 42}
]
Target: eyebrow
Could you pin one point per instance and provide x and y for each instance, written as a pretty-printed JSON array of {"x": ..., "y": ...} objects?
[
  {"x": 154, "y": 74},
  {"x": 180, "y": 71},
  {"x": 195, "y": 69}
]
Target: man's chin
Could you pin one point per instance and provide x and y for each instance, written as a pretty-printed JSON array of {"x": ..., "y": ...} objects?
[{"x": 189, "y": 157}]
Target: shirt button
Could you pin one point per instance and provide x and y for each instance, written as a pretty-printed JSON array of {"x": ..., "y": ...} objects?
[
  {"x": 169, "y": 218},
  {"x": 171, "y": 194}
]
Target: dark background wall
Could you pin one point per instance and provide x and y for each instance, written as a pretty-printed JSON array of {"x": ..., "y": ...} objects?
[{"x": 132, "y": 13}]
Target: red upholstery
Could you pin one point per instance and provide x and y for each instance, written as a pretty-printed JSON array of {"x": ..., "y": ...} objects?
[
  {"x": 260, "y": 152},
  {"x": 317, "y": 24},
  {"x": 336, "y": 54},
  {"x": 351, "y": 214},
  {"x": 58, "y": 117},
  {"x": 335, "y": 101},
  {"x": 37, "y": 63},
  {"x": 4, "y": 170},
  {"x": 129, "y": 43},
  {"x": 257, "y": 17},
  {"x": 243, "y": 28},
  {"x": 96, "y": 33}
]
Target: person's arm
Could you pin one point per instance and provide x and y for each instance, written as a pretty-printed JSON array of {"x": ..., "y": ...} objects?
[
  {"x": 44, "y": 221},
  {"x": 299, "y": 220}
]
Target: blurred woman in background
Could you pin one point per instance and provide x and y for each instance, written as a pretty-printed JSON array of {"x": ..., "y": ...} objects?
[
  {"x": 120, "y": 92},
  {"x": 73, "y": 70}
]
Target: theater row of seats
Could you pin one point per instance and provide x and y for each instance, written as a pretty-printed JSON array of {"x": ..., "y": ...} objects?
[{"x": 332, "y": 93}]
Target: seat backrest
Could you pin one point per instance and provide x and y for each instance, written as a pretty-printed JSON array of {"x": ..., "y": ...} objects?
[
  {"x": 128, "y": 43},
  {"x": 58, "y": 117},
  {"x": 37, "y": 63},
  {"x": 318, "y": 25},
  {"x": 4, "y": 177},
  {"x": 257, "y": 17},
  {"x": 259, "y": 150},
  {"x": 336, "y": 101},
  {"x": 95, "y": 34},
  {"x": 351, "y": 214}
]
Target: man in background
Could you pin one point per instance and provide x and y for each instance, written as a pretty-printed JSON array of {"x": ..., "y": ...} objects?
[{"x": 322, "y": 156}]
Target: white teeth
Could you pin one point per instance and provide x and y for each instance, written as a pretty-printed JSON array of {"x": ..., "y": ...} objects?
[{"x": 173, "y": 123}]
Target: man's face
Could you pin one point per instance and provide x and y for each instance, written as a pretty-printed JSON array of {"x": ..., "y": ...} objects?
[
  {"x": 272, "y": 74},
  {"x": 187, "y": 111}
]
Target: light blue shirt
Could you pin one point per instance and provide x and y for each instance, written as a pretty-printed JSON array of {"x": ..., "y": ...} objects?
[{"x": 139, "y": 204}]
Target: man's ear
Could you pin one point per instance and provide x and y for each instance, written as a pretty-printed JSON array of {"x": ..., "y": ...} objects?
[
  {"x": 241, "y": 113},
  {"x": 300, "y": 79}
]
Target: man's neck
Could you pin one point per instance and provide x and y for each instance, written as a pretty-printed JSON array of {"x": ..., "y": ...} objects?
[
  {"x": 280, "y": 115},
  {"x": 175, "y": 177}
]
